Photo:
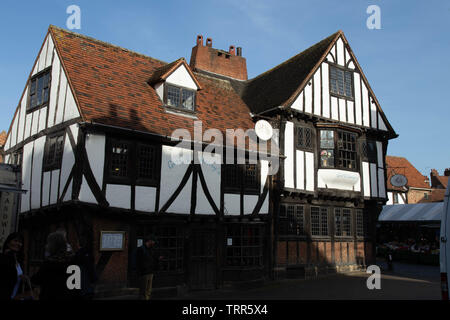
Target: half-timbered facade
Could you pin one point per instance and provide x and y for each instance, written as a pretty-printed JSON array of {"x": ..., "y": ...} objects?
[
  {"x": 93, "y": 135},
  {"x": 334, "y": 136}
]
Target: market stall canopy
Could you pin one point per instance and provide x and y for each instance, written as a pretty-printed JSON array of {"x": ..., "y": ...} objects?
[{"x": 412, "y": 212}]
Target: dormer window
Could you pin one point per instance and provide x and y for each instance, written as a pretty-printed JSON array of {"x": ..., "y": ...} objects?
[
  {"x": 179, "y": 97},
  {"x": 341, "y": 82}
]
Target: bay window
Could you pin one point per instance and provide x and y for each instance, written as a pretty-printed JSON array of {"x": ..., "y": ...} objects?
[{"x": 338, "y": 149}]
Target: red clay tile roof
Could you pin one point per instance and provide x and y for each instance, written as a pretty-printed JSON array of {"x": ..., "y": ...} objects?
[
  {"x": 111, "y": 87},
  {"x": 400, "y": 165},
  {"x": 3, "y": 136}
]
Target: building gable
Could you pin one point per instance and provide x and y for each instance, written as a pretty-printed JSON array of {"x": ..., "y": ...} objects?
[
  {"x": 61, "y": 106},
  {"x": 314, "y": 94}
]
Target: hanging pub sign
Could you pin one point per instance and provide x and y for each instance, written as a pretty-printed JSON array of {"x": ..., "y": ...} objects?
[{"x": 112, "y": 240}]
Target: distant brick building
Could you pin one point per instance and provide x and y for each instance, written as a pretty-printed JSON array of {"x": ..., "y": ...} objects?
[{"x": 417, "y": 188}]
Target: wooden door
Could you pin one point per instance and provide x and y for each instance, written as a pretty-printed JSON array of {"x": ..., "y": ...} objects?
[{"x": 202, "y": 266}]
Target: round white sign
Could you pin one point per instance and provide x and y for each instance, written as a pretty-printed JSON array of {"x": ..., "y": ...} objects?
[
  {"x": 263, "y": 130},
  {"x": 399, "y": 180}
]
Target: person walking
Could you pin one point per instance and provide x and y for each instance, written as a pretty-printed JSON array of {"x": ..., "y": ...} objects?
[
  {"x": 52, "y": 275},
  {"x": 85, "y": 260},
  {"x": 11, "y": 273},
  {"x": 147, "y": 263}
]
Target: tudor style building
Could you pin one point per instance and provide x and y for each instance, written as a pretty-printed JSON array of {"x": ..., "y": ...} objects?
[{"x": 92, "y": 135}]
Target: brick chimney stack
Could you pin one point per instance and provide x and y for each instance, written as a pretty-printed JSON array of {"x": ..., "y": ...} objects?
[
  {"x": 447, "y": 172},
  {"x": 227, "y": 63}
]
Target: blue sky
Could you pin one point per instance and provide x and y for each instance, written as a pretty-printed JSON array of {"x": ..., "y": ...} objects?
[{"x": 406, "y": 61}]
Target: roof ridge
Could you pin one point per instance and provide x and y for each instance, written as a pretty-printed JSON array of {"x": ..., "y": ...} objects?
[
  {"x": 104, "y": 43},
  {"x": 293, "y": 57}
]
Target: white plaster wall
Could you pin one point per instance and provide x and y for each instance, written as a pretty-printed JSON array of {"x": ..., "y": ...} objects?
[
  {"x": 309, "y": 158},
  {"x": 26, "y": 175},
  {"x": 46, "y": 189},
  {"x": 326, "y": 90},
  {"x": 366, "y": 178},
  {"x": 308, "y": 98},
  {"x": 171, "y": 176},
  {"x": 54, "y": 188},
  {"x": 95, "y": 148},
  {"x": 334, "y": 108},
  {"x": 211, "y": 169},
  {"x": 289, "y": 153},
  {"x": 86, "y": 194},
  {"x": 358, "y": 107},
  {"x": 317, "y": 92},
  {"x": 181, "y": 77},
  {"x": 300, "y": 169},
  {"x": 340, "y": 52},
  {"x": 250, "y": 202},
  {"x": 145, "y": 199},
  {"x": 118, "y": 196},
  {"x": 232, "y": 204},
  {"x": 298, "y": 103},
  {"x": 68, "y": 160}
]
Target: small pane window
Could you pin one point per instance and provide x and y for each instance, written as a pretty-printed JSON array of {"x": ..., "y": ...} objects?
[
  {"x": 53, "y": 153},
  {"x": 359, "y": 223},
  {"x": 319, "y": 221},
  {"x": 119, "y": 159},
  {"x": 244, "y": 245},
  {"x": 237, "y": 176},
  {"x": 292, "y": 220},
  {"x": 369, "y": 151},
  {"x": 180, "y": 98},
  {"x": 341, "y": 82},
  {"x": 188, "y": 100},
  {"x": 347, "y": 149},
  {"x": 173, "y": 96},
  {"x": 346, "y": 222},
  {"x": 304, "y": 138},
  {"x": 39, "y": 90},
  {"x": 147, "y": 162}
]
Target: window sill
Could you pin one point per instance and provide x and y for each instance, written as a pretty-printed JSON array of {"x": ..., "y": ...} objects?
[
  {"x": 180, "y": 111},
  {"x": 339, "y": 96},
  {"x": 31, "y": 110}
]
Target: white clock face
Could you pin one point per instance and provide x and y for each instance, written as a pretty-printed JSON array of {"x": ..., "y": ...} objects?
[{"x": 399, "y": 180}]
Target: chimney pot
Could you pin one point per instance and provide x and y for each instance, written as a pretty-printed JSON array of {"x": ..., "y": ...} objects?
[
  {"x": 447, "y": 172},
  {"x": 239, "y": 51},
  {"x": 209, "y": 42},
  {"x": 232, "y": 50},
  {"x": 200, "y": 40}
]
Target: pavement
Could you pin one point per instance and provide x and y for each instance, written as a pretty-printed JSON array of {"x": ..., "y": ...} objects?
[{"x": 404, "y": 282}]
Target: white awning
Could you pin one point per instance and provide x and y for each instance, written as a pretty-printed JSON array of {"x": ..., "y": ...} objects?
[{"x": 412, "y": 212}]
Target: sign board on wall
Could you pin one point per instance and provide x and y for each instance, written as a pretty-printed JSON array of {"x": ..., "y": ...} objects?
[
  {"x": 112, "y": 240},
  {"x": 7, "y": 211}
]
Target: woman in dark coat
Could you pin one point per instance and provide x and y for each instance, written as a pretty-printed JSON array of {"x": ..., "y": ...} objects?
[
  {"x": 11, "y": 274},
  {"x": 52, "y": 275}
]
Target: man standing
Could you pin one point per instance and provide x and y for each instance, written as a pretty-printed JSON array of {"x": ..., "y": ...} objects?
[{"x": 147, "y": 263}]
